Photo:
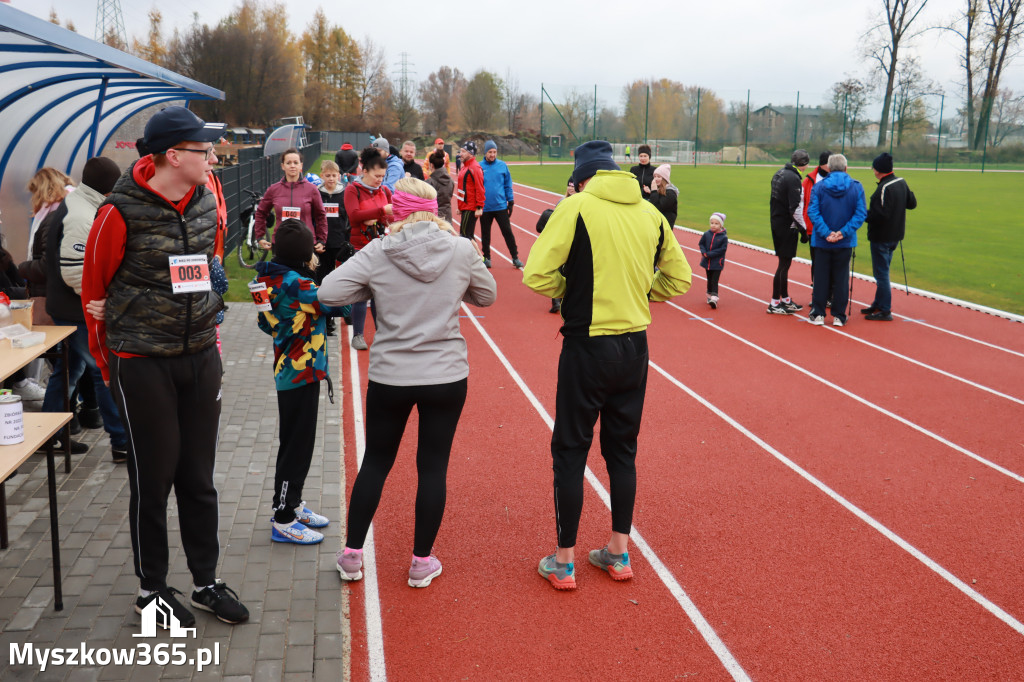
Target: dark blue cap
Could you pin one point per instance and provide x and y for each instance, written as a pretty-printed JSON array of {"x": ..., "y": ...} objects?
[
  {"x": 591, "y": 157},
  {"x": 177, "y": 124}
]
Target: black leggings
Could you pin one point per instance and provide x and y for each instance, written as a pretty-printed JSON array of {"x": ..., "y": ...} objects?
[
  {"x": 387, "y": 411},
  {"x": 713, "y": 276},
  {"x": 780, "y": 283}
]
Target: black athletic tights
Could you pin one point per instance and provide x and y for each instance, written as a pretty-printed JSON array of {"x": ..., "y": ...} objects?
[
  {"x": 780, "y": 284},
  {"x": 387, "y": 411}
]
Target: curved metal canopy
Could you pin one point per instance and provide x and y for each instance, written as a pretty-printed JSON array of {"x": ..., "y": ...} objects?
[{"x": 62, "y": 95}]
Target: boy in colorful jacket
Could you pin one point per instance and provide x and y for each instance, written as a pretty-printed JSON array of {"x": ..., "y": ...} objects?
[{"x": 288, "y": 310}]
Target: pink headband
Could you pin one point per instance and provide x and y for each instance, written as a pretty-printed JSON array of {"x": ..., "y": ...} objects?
[{"x": 404, "y": 204}]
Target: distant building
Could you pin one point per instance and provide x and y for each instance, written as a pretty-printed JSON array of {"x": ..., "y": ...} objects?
[{"x": 773, "y": 123}]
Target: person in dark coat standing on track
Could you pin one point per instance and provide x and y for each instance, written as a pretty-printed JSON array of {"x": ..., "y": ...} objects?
[
  {"x": 644, "y": 171},
  {"x": 713, "y": 245},
  {"x": 787, "y": 221},
  {"x": 441, "y": 182},
  {"x": 837, "y": 209},
  {"x": 887, "y": 224}
]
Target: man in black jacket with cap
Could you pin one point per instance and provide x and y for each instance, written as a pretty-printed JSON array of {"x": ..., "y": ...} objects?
[{"x": 887, "y": 222}]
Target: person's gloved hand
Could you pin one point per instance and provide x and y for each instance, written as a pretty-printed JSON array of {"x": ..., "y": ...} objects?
[
  {"x": 804, "y": 238},
  {"x": 510, "y": 205}
]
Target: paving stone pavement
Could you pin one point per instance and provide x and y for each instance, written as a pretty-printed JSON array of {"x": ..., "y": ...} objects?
[{"x": 293, "y": 592}]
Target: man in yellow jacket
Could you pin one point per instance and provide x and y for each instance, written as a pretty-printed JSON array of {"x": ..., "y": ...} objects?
[{"x": 606, "y": 253}]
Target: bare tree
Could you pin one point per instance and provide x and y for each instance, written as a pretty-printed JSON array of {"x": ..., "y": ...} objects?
[
  {"x": 991, "y": 31},
  {"x": 884, "y": 40},
  {"x": 513, "y": 101},
  {"x": 849, "y": 98},
  {"x": 373, "y": 75},
  {"x": 910, "y": 114},
  {"x": 404, "y": 105},
  {"x": 1007, "y": 117},
  {"x": 437, "y": 93},
  {"x": 1005, "y": 28}
]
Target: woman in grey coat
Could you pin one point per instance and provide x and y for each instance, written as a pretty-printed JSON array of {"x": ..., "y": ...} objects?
[{"x": 418, "y": 277}]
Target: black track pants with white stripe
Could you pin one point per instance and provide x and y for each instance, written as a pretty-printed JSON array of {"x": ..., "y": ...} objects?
[{"x": 171, "y": 408}]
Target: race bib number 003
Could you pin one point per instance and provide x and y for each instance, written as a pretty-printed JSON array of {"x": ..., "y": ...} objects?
[
  {"x": 260, "y": 296},
  {"x": 189, "y": 274}
]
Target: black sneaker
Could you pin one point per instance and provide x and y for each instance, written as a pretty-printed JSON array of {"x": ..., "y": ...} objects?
[
  {"x": 90, "y": 418},
  {"x": 556, "y": 305},
  {"x": 779, "y": 309},
  {"x": 184, "y": 616},
  {"x": 792, "y": 306},
  {"x": 221, "y": 601},
  {"x": 77, "y": 447},
  {"x": 119, "y": 453}
]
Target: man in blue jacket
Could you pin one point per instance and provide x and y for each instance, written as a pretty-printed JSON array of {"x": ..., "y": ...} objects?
[
  {"x": 498, "y": 203},
  {"x": 837, "y": 211}
]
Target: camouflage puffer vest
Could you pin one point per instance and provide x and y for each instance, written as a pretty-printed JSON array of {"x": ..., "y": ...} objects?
[{"x": 143, "y": 316}]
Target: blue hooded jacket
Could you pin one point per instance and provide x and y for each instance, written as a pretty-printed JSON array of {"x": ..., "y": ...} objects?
[
  {"x": 837, "y": 205},
  {"x": 497, "y": 185},
  {"x": 395, "y": 172}
]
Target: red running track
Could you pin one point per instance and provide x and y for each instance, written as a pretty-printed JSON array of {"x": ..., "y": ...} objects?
[{"x": 813, "y": 503}]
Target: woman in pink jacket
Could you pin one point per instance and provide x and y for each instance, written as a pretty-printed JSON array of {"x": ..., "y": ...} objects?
[{"x": 292, "y": 197}]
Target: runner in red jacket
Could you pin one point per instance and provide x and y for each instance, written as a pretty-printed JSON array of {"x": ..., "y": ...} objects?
[{"x": 469, "y": 190}]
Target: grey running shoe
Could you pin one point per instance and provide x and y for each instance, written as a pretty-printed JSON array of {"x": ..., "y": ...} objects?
[
  {"x": 358, "y": 342},
  {"x": 617, "y": 565},
  {"x": 561, "y": 576}
]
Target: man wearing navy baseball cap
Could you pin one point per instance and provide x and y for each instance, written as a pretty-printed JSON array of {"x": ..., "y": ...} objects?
[
  {"x": 606, "y": 253},
  {"x": 151, "y": 314}
]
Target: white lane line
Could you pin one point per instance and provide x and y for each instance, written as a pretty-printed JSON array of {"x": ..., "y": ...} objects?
[
  {"x": 883, "y": 349},
  {"x": 854, "y": 396},
  {"x": 371, "y": 595},
  {"x": 701, "y": 623},
  {"x": 927, "y": 294},
  {"x": 973, "y": 594}
]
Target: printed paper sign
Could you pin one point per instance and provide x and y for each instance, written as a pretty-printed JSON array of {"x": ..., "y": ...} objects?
[
  {"x": 189, "y": 274},
  {"x": 260, "y": 296}
]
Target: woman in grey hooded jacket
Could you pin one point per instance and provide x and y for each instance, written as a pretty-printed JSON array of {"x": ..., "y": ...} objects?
[{"x": 418, "y": 277}]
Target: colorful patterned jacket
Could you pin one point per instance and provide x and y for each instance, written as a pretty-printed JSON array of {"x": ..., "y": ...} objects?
[{"x": 297, "y": 323}]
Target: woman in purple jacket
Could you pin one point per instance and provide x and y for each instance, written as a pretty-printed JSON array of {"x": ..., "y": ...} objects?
[{"x": 292, "y": 197}]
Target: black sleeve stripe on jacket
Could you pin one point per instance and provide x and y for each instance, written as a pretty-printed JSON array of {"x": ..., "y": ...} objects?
[{"x": 578, "y": 302}]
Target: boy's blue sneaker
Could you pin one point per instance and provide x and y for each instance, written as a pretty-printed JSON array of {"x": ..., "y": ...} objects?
[
  {"x": 295, "y": 533},
  {"x": 310, "y": 518}
]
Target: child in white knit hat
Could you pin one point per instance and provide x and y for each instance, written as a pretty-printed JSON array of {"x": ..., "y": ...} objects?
[{"x": 713, "y": 244}]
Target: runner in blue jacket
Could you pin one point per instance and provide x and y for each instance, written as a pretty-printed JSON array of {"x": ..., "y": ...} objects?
[{"x": 498, "y": 202}]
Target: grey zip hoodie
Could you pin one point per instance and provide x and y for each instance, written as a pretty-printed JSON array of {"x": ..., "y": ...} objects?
[{"x": 417, "y": 278}]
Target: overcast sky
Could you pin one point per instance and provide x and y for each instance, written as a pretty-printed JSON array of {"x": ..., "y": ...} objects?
[{"x": 725, "y": 45}]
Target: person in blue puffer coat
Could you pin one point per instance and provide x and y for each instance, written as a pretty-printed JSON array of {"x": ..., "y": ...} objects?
[
  {"x": 498, "y": 203},
  {"x": 837, "y": 211}
]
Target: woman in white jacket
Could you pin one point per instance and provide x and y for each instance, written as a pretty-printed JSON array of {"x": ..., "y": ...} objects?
[{"x": 418, "y": 277}]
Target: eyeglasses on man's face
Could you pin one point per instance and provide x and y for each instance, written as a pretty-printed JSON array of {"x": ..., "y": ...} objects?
[{"x": 207, "y": 153}]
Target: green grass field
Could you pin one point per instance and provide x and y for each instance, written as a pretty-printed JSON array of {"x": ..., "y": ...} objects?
[{"x": 965, "y": 239}]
